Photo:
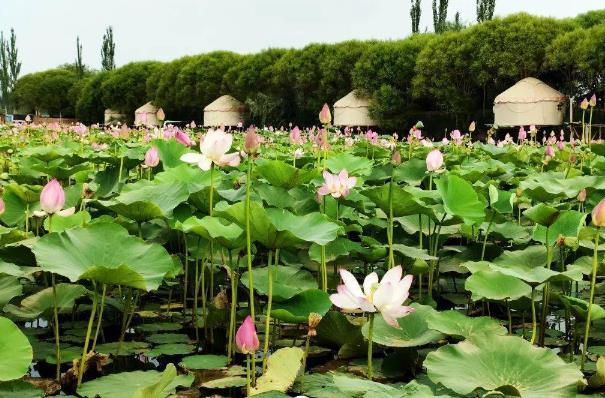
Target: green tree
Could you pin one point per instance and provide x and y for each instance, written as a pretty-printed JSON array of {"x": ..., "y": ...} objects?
[
  {"x": 485, "y": 10},
  {"x": 439, "y": 15},
  {"x": 79, "y": 64},
  {"x": 415, "y": 12},
  {"x": 108, "y": 49},
  {"x": 590, "y": 18},
  {"x": 10, "y": 68},
  {"x": 89, "y": 103},
  {"x": 49, "y": 91}
]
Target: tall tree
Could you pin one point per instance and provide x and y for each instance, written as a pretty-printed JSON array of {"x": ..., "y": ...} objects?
[
  {"x": 439, "y": 15},
  {"x": 79, "y": 63},
  {"x": 485, "y": 10},
  {"x": 10, "y": 67},
  {"x": 108, "y": 50},
  {"x": 415, "y": 12}
]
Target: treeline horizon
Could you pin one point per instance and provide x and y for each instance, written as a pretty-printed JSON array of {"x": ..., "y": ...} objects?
[{"x": 453, "y": 75}]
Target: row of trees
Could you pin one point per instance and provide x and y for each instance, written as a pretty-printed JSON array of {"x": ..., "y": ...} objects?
[{"x": 457, "y": 73}]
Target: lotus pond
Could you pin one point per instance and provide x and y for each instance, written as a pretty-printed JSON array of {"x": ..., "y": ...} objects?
[{"x": 278, "y": 262}]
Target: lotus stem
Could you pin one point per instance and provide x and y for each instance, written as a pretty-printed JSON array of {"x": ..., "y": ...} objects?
[
  {"x": 323, "y": 266},
  {"x": 56, "y": 328},
  {"x": 305, "y": 355},
  {"x": 88, "y": 332},
  {"x": 546, "y": 289},
  {"x": 248, "y": 371},
  {"x": 100, "y": 319},
  {"x": 510, "y": 318},
  {"x": 391, "y": 262},
  {"x": 233, "y": 308},
  {"x": 249, "y": 249},
  {"x": 268, "y": 311},
  {"x": 370, "y": 337},
  {"x": 196, "y": 292},
  {"x": 186, "y": 282},
  {"x": 489, "y": 226},
  {"x": 593, "y": 281},
  {"x": 533, "y": 316}
]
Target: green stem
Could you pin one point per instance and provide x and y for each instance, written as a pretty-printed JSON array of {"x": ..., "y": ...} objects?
[
  {"x": 489, "y": 226},
  {"x": 88, "y": 332},
  {"x": 370, "y": 336},
  {"x": 56, "y": 328},
  {"x": 510, "y": 318},
  {"x": 304, "y": 360},
  {"x": 186, "y": 281},
  {"x": 391, "y": 263},
  {"x": 248, "y": 375},
  {"x": 249, "y": 250},
  {"x": 268, "y": 312},
  {"x": 593, "y": 281},
  {"x": 100, "y": 318},
  {"x": 534, "y": 324}
]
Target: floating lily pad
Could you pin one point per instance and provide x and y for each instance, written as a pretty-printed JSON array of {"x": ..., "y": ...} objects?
[
  {"x": 168, "y": 338},
  {"x": 198, "y": 362},
  {"x": 282, "y": 368},
  {"x": 494, "y": 285},
  {"x": 170, "y": 349},
  {"x": 454, "y": 323}
]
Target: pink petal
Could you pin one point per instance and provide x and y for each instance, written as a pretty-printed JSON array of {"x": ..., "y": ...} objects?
[
  {"x": 370, "y": 280},
  {"x": 351, "y": 283},
  {"x": 393, "y": 275}
]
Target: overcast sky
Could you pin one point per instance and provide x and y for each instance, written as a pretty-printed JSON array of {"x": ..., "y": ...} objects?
[{"x": 164, "y": 30}]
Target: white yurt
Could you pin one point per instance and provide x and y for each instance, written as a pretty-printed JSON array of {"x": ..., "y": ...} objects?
[
  {"x": 224, "y": 111},
  {"x": 146, "y": 115},
  {"x": 528, "y": 102},
  {"x": 352, "y": 110},
  {"x": 112, "y": 116}
]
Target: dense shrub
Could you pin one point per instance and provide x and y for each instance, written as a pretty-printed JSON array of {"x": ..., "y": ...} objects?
[{"x": 49, "y": 91}]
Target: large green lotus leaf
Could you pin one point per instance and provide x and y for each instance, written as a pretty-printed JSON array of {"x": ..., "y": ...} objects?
[
  {"x": 17, "y": 200},
  {"x": 542, "y": 214},
  {"x": 509, "y": 364},
  {"x": 412, "y": 172},
  {"x": 454, "y": 323},
  {"x": 340, "y": 247},
  {"x": 460, "y": 199},
  {"x": 10, "y": 287},
  {"x": 145, "y": 200},
  {"x": 208, "y": 361},
  {"x": 282, "y": 368},
  {"x": 19, "y": 389},
  {"x": 312, "y": 227},
  {"x": 547, "y": 186},
  {"x": 355, "y": 165},
  {"x": 128, "y": 384},
  {"x": 194, "y": 178},
  {"x": 16, "y": 351},
  {"x": 170, "y": 152},
  {"x": 298, "y": 308},
  {"x": 56, "y": 168},
  {"x": 494, "y": 285},
  {"x": 528, "y": 265},
  {"x": 568, "y": 224},
  {"x": 501, "y": 201},
  {"x": 41, "y": 302},
  {"x": 156, "y": 390},
  {"x": 579, "y": 307},
  {"x": 404, "y": 202},
  {"x": 227, "y": 234},
  {"x": 105, "y": 253},
  {"x": 287, "y": 281},
  {"x": 261, "y": 228},
  {"x": 412, "y": 252},
  {"x": 60, "y": 223},
  {"x": 281, "y": 174},
  {"x": 336, "y": 330},
  {"x": 510, "y": 231},
  {"x": 413, "y": 332}
]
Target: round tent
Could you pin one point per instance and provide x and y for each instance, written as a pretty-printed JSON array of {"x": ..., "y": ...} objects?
[
  {"x": 352, "y": 110},
  {"x": 224, "y": 111},
  {"x": 146, "y": 115},
  {"x": 112, "y": 116},
  {"x": 530, "y": 101}
]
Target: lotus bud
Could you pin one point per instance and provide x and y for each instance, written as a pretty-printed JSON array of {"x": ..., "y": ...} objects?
[
  {"x": 52, "y": 197},
  {"x": 396, "y": 158},
  {"x": 2, "y": 206},
  {"x": 152, "y": 157},
  {"x": 434, "y": 160},
  {"x": 325, "y": 117},
  {"x": 549, "y": 151},
  {"x": 192, "y": 124},
  {"x": 160, "y": 115},
  {"x": 593, "y": 101},
  {"x": 582, "y": 195},
  {"x": 584, "y": 104},
  {"x": 522, "y": 136},
  {"x": 598, "y": 214},
  {"x": 246, "y": 338},
  {"x": 561, "y": 145},
  {"x": 314, "y": 319},
  {"x": 183, "y": 138},
  {"x": 419, "y": 125},
  {"x": 251, "y": 141},
  {"x": 472, "y": 126}
]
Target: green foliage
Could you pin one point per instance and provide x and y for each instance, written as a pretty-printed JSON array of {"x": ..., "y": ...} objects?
[
  {"x": 108, "y": 49},
  {"x": 47, "y": 91},
  {"x": 89, "y": 107},
  {"x": 485, "y": 10}
]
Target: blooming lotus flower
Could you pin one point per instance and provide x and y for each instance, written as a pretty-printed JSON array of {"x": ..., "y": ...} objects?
[
  {"x": 584, "y": 104},
  {"x": 246, "y": 338},
  {"x": 325, "y": 117},
  {"x": 183, "y": 138},
  {"x": 52, "y": 200},
  {"x": 549, "y": 151},
  {"x": 456, "y": 136},
  {"x": 386, "y": 296},
  {"x": 152, "y": 157},
  {"x": 337, "y": 185},
  {"x": 598, "y": 214},
  {"x": 434, "y": 160},
  {"x": 213, "y": 150},
  {"x": 522, "y": 136},
  {"x": 593, "y": 100},
  {"x": 372, "y": 136},
  {"x": 295, "y": 137}
]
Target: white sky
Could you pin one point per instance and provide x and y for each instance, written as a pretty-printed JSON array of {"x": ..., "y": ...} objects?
[{"x": 167, "y": 29}]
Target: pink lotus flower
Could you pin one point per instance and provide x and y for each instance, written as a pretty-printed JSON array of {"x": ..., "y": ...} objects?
[
  {"x": 252, "y": 141},
  {"x": 522, "y": 136},
  {"x": 584, "y": 104},
  {"x": 472, "y": 127},
  {"x": 325, "y": 117},
  {"x": 386, "y": 296},
  {"x": 561, "y": 145},
  {"x": 160, "y": 115},
  {"x": 2, "y": 206},
  {"x": 598, "y": 214},
  {"x": 549, "y": 151},
  {"x": 213, "y": 150},
  {"x": 434, "y": 160},
  {"x": 337, "y": 185},
  {"x": 582, "y": 195},
  {"x": 52, "y": 200},
  {"x": 183, "y": 138},
  {"x": 295, "y": 137},
  {"x": 593, "y": 100},
  {"x": 456, "y": 136},
  {"x": 152, "y": 157},
  {"x": 246, "y": 338},
  {"x": 372, "y": 136}
]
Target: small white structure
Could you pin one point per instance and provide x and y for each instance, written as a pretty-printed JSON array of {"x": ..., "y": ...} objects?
[
  {"x": 146, "y": 115},
  {"x": 352, "y": 110},
  {"x": 528, "y": 102},
  {"x": 224, "y": 111},
  {"x": 111, "y": 116}
]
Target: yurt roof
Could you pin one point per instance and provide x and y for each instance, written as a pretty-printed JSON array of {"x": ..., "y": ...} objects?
[
  {"x": 529, "y": 90},
  {"x": 225, "y": 103},
  {"x": 147, "y": 108},
  {"x": 352, "y": 100}
]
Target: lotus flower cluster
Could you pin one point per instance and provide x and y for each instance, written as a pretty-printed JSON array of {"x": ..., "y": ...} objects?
[
  {"x": 213, "y": 150},
  {"x": 386, "y": 296},
  {"x": 337, "y": 185}
]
